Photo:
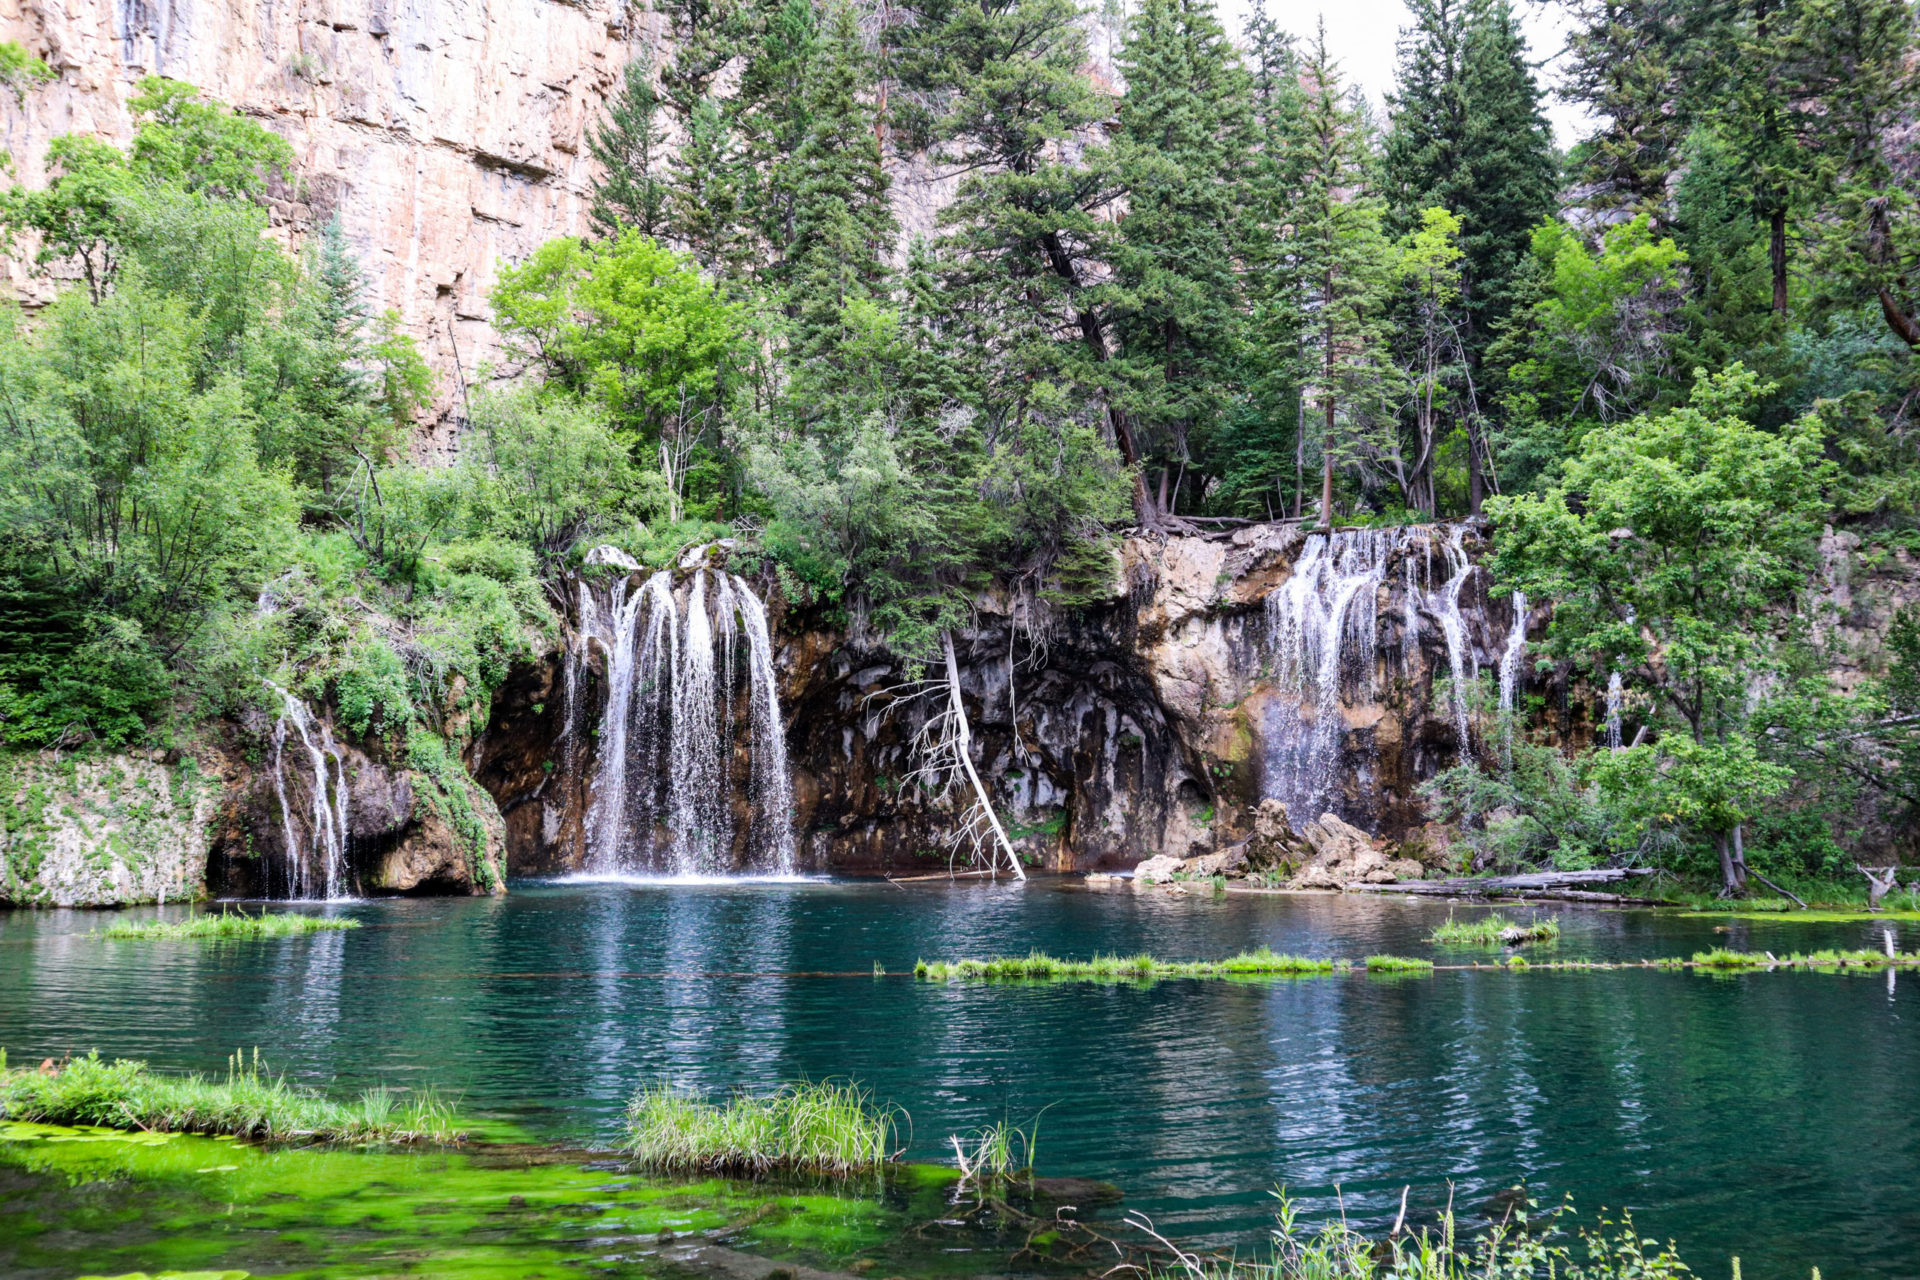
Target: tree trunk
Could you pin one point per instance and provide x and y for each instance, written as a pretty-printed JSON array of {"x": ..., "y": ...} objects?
[
  {"x": 1476, "y": 483},
  {"x": 1733, "y": 862},
  {"x": 1300, "y": 458},
  {"x": 1777, "y": 257},
  {"x": 963, "y": 747},
  {"x": 1326, "y": 471}
]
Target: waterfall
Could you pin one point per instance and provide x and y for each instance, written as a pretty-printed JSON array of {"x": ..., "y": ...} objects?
[
  {"x": 697, "y": 809},
  {"x": 772, "y": 785},
  {"x": 1510, "y": 673},
  {"x": 1322, "y": 630},
  {"x": 1613, "y": 711},
  {"x": 1463, "y": 664},
  {"x": 1510, "y": 657},
  {"x": 1321, "y": 623},
  {"x": 664, "y": 770},
  {"x": 327, "y": 803}
]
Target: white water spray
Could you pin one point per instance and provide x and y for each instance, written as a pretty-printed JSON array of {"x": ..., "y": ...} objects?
[
  {"x": 317, "y": 867},
  {"x": 1322, "y": 628},
  {"x": 663, "y": 776},
  {"x": 1614, "y": 697}
]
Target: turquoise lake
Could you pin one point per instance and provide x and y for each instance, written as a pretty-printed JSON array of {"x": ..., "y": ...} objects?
[{"x": 1776, "y": 1116}]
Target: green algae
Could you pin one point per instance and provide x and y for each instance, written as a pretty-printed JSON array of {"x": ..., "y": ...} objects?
[{"x": 107, "y": 1202}]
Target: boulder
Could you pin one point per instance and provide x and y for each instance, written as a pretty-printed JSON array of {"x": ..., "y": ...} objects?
[
  {"x": 1273, "y": 844},
  {"x": 1406, "y": 869},
  {"x": 1342, "y": 854},
  {"x": 1158, "y": 869}
]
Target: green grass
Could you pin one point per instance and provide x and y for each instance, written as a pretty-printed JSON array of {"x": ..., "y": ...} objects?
[
  {"x": 1722, "y": 958},
  {"x": 280, "y": 924},
  {"x": 1141, "y": 968},
  {"x": 247, "y": 1103},
  {"x": 822, "y": 1128},
  {"x": 1492, "y": 931},
  {"x": 1398, "y": 964}
]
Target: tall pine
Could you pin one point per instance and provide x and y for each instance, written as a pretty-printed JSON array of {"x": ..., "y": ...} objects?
[
  {"x": 631, "y": 190},
  {"x": 1338, "y": 263},
  {"x": 1184, "y": 156}
]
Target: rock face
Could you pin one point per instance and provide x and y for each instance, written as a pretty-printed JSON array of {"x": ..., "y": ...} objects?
[
  {"x": 407, "y": 830},
  {"x": 1155, "y": 723},
  {"x": 105, "y": 831},
  {"x": 446, "y": 135}
]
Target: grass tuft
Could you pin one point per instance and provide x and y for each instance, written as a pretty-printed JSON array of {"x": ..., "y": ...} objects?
[
  {"x": 1038, "y": 966},
  {"x": 280, "y": 924},
  {"x": 248, "y": 1103},
  {"x": 1398, "y": 964},
  {"x": 1492, "y": 931},
  {"x": 1722, "y": 958},
  {"x": 804, "y": 1128}
]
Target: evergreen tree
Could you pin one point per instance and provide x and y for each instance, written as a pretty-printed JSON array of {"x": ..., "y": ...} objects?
[
  {"x": 1338, "y": 266},
  {"x": 709, "y": 181},
  {"x": 1184, "y": 157},
  {"x": 1624, "y": 67},
  {"x": 843, "y": 233},
  {"x": 630, "y": 191},
  {"x": 999, "y": 87}
]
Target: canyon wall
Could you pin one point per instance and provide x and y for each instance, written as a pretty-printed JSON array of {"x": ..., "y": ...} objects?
[{"x": 448, "y": 136}]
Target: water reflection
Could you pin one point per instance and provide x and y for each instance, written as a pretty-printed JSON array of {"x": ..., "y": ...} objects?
[{"x": 1688, "y": 1098}]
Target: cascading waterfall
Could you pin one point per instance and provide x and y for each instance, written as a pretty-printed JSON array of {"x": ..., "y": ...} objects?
[
  {"x": 1321, "y": 623},
  {"x": 1322, "y": 626},
  {"x": 666, "y": 735},
  {"x": 1510, "y": 659},
  {"x": 326, "y": 843},
  {"x": 1614, "y": 697},
  {"x": 1462, "y": 663}
]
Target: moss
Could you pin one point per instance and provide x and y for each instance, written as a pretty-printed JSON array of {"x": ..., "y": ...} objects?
[{"x": 453, "y": 796}]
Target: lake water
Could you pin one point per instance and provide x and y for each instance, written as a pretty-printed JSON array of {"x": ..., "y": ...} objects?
[{"x": 1776, "y": 1116}]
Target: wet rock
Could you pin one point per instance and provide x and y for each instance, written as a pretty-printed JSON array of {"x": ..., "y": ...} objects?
[{"x": 1159, "y": 869}]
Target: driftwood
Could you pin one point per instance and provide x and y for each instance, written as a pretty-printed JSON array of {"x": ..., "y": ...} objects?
[
  {"x": 1561, "y": 885},
  {"x": 1880, "y": 882}
]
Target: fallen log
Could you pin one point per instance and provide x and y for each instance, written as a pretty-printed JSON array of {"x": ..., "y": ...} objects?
[{"x": 1559, "y": 885}]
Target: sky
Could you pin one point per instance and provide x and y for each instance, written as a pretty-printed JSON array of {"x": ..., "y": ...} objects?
[{"x": 1363, "y": 35}]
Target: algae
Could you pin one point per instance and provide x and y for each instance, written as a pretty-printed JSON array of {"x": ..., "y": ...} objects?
[{"x": 106, "y": 1202}]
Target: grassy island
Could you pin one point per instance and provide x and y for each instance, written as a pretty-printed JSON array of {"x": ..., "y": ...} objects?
[
  {"x": 1038, "y": 965},
  {"x": 1493, "y": 931},
  {"x": 247, "y": 1103},
  {"x": 823, "y": 1128},
  {"x": 279, "y": 924}
]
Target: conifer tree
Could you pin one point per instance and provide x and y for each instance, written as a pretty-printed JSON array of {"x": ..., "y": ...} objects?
[
  {"x": 631, "y": 191},
  {"x": 998, "y": 87},
  {"x": 843, "y": 233},
  {"x": 1338, "y": 261},
  {"x": 1184, "y": 157},
  {"x": 1625, "y": 66}
]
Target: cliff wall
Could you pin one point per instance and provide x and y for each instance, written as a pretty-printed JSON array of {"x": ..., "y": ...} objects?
[{"x": 448, "y": 136}]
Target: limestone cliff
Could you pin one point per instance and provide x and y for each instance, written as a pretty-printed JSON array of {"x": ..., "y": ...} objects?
[{"x": 447, "y": 135}]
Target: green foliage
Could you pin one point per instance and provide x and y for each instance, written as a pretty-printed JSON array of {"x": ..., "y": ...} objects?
[
  {"x": 1535, "y": 808},
  {"x": 21, "y": 70},
  {"x": 823, "y": 1128},
  {"x": 1141, "y": 968},
  {"x": 1590, "y": 344},
  {"x": 125, "y": 1094},
  {"x": 228, "y": 925}
]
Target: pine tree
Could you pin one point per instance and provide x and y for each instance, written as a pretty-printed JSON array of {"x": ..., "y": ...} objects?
[
  {"x": 706, "y": 192},
  {"x": 1184, "y": 157},
  {"x": 999, "y": 88},
  {"x": 1337, "y": 263},
  {"x": 843, "y": 232},
  {"x": 1625, "y": 66},
  {"x": 630, "y": 191}
]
